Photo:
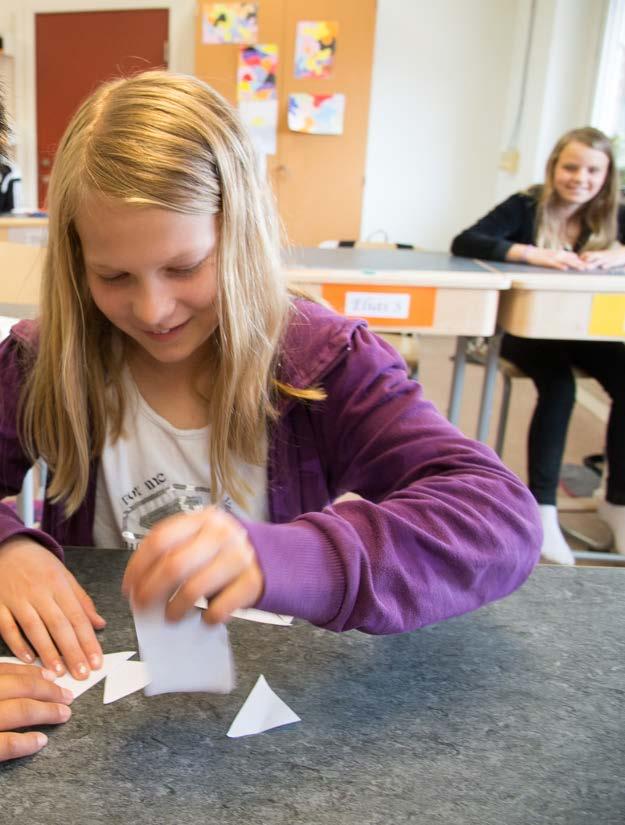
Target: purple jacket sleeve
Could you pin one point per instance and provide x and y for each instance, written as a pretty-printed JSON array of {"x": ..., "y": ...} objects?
[
  {"x": 442, "y": 528},
  {"x": 14, "y": 463}
]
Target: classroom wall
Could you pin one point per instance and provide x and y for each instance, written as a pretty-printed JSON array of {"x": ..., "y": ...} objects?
[
  {"x": 456, "y": 66},
  {"x": 435, "y": 140}
]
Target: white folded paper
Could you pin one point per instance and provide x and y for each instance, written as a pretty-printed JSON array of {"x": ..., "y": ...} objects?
[
  {"x": 127, "y": 678},
  {"x": 251, "y": 614},
  {"x": 110, "y": 662},
  {"x": 184, "y": 656},
  {"x": 262, "y": 710}
]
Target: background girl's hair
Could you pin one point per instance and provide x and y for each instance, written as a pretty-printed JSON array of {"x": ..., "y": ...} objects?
[
  {"x": 599, "y": 216},
  {"x": 161, "y": 140}
]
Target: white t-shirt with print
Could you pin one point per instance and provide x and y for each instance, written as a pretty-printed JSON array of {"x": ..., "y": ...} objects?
[{"x": 155, "y": 470}]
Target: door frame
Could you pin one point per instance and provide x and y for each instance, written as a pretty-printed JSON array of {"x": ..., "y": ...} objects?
[{"x": 181, "y": 58}]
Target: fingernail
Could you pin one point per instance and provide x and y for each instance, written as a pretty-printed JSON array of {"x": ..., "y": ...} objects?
[
  {"x": 82, "y": 669},
  {"x": 67, "y": 695},
  {"x": 42, "y": 739},
  {"x": 95, "y": 660},
  {"x": 27, "y": 657},
  {"x": 48, "y": 674},
  {"x": 64, "y": 713},
  {"x": 58, "y": 668}
]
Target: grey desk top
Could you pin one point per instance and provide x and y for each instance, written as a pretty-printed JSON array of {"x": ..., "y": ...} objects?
[
  {"x": 513, "y": 715},
  {"x": 507, "y": 268},
  {"x": 352, "y": 258}
]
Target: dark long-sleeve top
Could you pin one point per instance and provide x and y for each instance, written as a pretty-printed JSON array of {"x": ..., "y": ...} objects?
[{"x": 512, "y": 221}]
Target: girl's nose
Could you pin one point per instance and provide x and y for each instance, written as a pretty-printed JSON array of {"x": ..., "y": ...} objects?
[{"x": 153, "y": 306}]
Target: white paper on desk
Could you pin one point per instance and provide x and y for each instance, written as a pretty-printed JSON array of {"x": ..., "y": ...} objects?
[
  {"x": 251, "y": 614},
  {"x": 184, "y": 656},
  {"x": 262, "y": 710},
  {"x": 110, "y": 662},
  {"x": 127, "y": 678}
]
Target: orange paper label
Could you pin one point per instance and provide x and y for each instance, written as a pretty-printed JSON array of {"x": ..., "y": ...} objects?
[
  {"x": 607, "y": 315},
  {"x": 380, "y": 306}
]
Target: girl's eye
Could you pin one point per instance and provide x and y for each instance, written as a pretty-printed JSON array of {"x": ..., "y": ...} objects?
[
  {"x": 111, "y": 279},
  {"x": 189, "y": 270}
]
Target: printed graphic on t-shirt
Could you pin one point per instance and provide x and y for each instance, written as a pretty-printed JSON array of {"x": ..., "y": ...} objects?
[{"x": 145, "y": 505}]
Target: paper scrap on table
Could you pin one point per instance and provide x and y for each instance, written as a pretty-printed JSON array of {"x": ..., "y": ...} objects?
[
  {"x": 110, "y": 662},
  {"x": 127, "y": 678},
  {"x": 184, "y": 656},
  {"x": 252, "y": 614},
  {"x": 262, "y": 710}
]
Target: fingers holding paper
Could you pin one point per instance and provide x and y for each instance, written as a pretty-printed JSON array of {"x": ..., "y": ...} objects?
[{"x": 191, "y": 555}]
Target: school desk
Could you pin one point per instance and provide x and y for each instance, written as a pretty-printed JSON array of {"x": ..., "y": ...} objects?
[
  {"x": 400, "y": 290},
  {"x": 512, "y": 714},
  {"x": 20, "y": 276},
  {"x": 24, "y": 229},
  {"x": 544, "y": 303}
]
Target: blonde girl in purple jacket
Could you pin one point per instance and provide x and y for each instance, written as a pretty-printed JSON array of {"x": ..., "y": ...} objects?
[{"x": 186, "y": 402}]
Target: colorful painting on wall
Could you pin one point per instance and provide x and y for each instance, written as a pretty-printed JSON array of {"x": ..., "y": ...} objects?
[
  {"x": 229, "y": 23},
  {"x": 256, "y": 76},
  {"x": 261, "y": 120},
  {"x": 315, "y": 47},
  {"x": 316, "y": 114}
]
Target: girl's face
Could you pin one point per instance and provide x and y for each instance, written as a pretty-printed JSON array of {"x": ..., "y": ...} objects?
[
  {"x": 579, "y": 173},
  {"x": 152, "y": 273}
]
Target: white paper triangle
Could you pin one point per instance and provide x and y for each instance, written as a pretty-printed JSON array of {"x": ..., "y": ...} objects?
[
  {"x": 110, "y": 662},
  {"x": 127, "y": 678},
  {"x": 262, "y": 710}
]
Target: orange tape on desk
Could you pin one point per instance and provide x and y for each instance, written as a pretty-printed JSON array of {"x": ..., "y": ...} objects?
[{"x": 405, "y": 306}]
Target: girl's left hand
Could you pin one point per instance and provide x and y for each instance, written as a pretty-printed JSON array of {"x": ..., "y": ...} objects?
[
  {"x": 192, "y": 555},
  {"x": 605, "y": 258}
]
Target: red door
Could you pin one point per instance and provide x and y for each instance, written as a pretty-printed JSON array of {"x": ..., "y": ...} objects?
[{"x": 75, "y": 52}]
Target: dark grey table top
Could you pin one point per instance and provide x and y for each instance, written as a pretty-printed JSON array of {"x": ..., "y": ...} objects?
[
  {"x": 513, "y": 714},
  {"x": 507, "y": 268},
  {"x": 384, "y": 259}
]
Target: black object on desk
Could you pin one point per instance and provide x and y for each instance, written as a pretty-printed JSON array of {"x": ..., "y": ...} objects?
[{"x": 513, "y": 715}]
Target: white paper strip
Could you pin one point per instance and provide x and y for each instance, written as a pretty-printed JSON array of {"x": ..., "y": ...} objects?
[
  {"x": 251, "y": 614},
  {"x": 184, "y": 656},
  {"x": 127, "y": 678},
  {"x": 262, "y": 710}
]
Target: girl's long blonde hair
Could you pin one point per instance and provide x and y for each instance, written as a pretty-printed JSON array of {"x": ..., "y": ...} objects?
[
  {"x": 161, "y": 140},
  {"x": 599, "y": 216}
]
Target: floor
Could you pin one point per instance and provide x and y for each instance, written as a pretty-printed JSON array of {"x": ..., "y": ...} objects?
[{"x": 586, "y": 432}]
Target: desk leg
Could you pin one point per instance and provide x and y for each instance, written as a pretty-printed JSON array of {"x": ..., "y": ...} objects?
[
  {"x": 488, "y": 387},
  {"x": 457, "y": 381}
]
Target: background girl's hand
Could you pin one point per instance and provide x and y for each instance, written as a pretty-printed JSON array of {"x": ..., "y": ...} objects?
[
  {"x": 192, "y": 555},
  {"x": 604, "y": 258},
  {"x": 28, "y": 697},
  {"x": 554, "y": 259},
  {"x": 40, "y": 601}
]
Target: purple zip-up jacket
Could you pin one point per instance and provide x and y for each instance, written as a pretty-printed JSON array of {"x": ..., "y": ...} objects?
[{"x": 442, "y": 526}]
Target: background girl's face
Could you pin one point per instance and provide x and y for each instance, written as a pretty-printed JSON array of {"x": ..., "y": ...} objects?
[
  {"x": 579, "y": 173},
  {"x": 152, "y": 272}
]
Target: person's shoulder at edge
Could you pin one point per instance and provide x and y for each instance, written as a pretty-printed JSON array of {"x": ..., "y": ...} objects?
[{"x": 315, "y": 335}]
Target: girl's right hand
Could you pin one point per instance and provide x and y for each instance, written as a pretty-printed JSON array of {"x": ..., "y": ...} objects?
[
  {"x": 554, "y": 259},
  {"x": 42, "y": 601}
]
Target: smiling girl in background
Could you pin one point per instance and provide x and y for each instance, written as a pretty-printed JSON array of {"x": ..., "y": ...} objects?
[
  {"x": 574, "y": 221},
  {"x": 171, "y": 366}
]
